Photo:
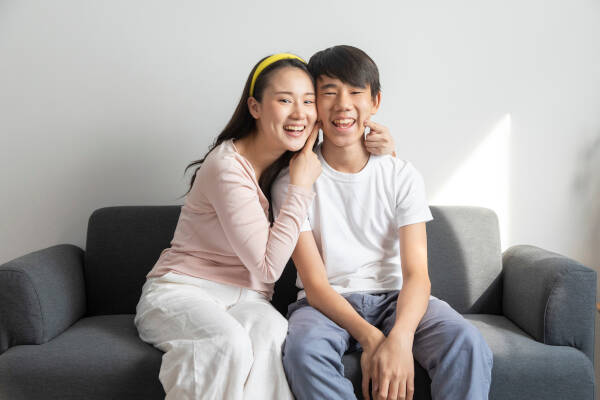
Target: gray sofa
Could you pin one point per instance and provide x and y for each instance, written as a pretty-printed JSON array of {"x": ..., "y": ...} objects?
[{"x": 66, "y": 315}]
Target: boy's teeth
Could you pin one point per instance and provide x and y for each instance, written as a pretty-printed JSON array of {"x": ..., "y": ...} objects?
[{"x": 343, "y": 121}]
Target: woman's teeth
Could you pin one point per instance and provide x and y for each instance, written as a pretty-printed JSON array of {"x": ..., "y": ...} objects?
[{"x": 294, "y": 128}]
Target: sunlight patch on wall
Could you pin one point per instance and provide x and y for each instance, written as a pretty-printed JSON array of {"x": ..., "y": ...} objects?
[{"x": 483, "y": 178}]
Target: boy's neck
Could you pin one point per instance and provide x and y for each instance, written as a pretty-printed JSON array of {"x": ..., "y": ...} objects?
[{"x": 348, "y": 159}]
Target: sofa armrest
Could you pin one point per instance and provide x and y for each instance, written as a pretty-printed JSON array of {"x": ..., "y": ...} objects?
[
  {"x": 41, "y": 294},
  {"x": 549, "y": 296}
]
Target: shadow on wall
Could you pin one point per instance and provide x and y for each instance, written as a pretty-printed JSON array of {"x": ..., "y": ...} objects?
[{"x": 587, "y": 190}]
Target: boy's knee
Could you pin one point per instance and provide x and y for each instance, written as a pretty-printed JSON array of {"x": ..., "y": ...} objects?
[
  {"x": 295, "y": 351},
  {"x": 471, "y": 338},
  {"x": 304, "y": 348}
]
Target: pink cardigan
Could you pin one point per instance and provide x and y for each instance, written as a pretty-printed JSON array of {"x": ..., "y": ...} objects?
[{"x": 223, "y": 233}]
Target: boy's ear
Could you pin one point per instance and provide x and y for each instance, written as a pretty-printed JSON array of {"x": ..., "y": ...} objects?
[
  {"x": 254, "y": 107},
  {"x": 376, "y": 102}
]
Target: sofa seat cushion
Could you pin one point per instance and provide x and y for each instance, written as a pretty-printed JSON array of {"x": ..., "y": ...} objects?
[
  {"x": 527, "y": 369},
  {"x": 98, "y": 357},
  {"x": 523, "y": 368}
]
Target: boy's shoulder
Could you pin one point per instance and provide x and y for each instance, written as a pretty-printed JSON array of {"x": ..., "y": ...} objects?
[{"x": 394, "y": 166}]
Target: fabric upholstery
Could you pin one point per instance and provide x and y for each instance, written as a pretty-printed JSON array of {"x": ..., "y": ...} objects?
[
  {"x": 536, "y": 311},
  {"x": 550, "y": 297},
  {"x": 123, "y": 243},
  {"x": 41, "y": 295},
  {"x": 527, "y": 369},
  {"x": 97, "y": 358},
  {"x": 465, "y": 262}
]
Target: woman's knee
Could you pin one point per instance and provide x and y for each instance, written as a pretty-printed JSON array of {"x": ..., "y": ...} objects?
[
  {"x": 237, "y": 342},
  {"x": 273, "y": 327}
]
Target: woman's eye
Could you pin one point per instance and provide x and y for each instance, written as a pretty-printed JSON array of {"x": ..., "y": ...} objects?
[
  {"x": 285, "y": 101},
  {"x": 308, "y": 102}
]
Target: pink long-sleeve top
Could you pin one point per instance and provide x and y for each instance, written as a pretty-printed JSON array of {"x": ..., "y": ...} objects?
[{"x": 223, "y": 233}]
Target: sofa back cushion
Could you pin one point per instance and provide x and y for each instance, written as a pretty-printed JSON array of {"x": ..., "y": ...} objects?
[
  {"x": 464, "y": 258},
  {"x": 123, "y": 243}
]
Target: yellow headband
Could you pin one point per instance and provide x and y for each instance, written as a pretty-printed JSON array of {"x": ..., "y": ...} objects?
[{"x": 268, "y": 61}]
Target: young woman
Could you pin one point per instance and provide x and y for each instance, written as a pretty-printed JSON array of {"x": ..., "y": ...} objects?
[{"x": 206, "y": 301}]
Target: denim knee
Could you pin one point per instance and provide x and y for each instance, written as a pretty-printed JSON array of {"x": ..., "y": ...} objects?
[
  {"x": 297, "y": 350},
  {"x": 472, "y": 339}
]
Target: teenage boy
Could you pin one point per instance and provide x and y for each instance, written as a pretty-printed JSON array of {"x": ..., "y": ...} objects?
[{"x": 362, "y": 262}]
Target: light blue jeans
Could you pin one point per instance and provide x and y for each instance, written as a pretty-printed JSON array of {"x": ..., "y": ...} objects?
[{"x": 451, "y": 349}]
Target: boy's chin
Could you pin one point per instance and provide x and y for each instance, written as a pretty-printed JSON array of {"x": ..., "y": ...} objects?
[{"x": 342, "y": 140}]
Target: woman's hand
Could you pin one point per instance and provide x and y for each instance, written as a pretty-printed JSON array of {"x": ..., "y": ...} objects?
[
  {"x": 379, "y": 140},
  {"x": 305, "y": 166}
]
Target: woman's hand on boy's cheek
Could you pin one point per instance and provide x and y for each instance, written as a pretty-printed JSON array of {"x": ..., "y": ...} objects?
[{"x": 379, "y": 140}]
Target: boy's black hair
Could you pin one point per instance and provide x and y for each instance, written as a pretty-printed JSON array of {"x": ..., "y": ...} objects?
[{"x": 349, "y": 64}]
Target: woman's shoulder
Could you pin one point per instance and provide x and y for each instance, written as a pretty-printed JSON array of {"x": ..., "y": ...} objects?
[{"x": 223, "y": 158}]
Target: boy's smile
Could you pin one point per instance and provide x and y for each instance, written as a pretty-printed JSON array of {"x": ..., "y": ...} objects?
[{"x": 343, "y": 109}]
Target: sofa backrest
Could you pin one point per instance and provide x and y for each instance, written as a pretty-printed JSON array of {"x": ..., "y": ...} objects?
[
  {"x": 465, "y": 259},
  {"x": 123, "y": 243}
]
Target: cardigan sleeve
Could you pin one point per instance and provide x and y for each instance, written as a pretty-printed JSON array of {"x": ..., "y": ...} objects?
[{"x": 263, "y": 249}]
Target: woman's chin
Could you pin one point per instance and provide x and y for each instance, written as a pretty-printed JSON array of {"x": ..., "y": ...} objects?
[
  {"x": 295, "y": 144},
  {"x": 295, "y": 147}
]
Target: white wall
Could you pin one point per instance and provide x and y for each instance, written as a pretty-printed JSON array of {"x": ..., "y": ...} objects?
[{"x": 104, "y": 103}]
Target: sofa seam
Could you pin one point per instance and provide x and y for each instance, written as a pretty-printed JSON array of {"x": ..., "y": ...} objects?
[
  {"x": 34, "y": 290},
  {"x": 561, "y": 275},
  {"x": 552, "y": 290}
]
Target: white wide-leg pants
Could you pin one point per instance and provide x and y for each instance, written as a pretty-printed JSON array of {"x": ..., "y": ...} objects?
[{"x": 220, "y": 341}]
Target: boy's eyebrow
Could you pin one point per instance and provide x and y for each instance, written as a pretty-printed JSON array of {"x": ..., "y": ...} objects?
[
  {"x": 328, "y": 86},
  {"x": 291, "y": 94}
]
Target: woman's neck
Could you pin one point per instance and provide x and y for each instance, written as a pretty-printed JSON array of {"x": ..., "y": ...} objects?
[
  {"x": 348, "y": 159},
  {"x": 257, "y": 151}
]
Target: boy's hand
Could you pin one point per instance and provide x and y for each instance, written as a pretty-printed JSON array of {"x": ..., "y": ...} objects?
[
  {"x": 379, "y": 140},
  {"x": 392, "y": 369},
  {"x": 376, "y": 338}
]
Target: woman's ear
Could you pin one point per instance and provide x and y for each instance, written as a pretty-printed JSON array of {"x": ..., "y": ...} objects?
[
  {"x": 376, "y": 102},
  {"x": 254, "y": 107}
]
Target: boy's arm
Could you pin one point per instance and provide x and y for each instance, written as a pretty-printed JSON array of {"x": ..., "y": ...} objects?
[
  {"x": 392, "y": 365},
  {"x": 324, "y": 298},
  {"x": 321, "y": 296},
  {"x": 413, "y": 299}
]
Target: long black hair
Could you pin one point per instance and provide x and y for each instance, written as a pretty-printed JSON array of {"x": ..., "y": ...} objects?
[{"x": 242, "y": 123}]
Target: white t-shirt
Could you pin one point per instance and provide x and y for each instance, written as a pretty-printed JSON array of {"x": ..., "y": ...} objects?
[{"x": 355, "y": 220}]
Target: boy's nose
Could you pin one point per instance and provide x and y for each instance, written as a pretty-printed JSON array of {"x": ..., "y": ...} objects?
[{"x": 343, "y": 101}]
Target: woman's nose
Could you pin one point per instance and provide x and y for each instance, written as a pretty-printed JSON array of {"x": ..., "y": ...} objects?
[{"x": 298, "y": 111}]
